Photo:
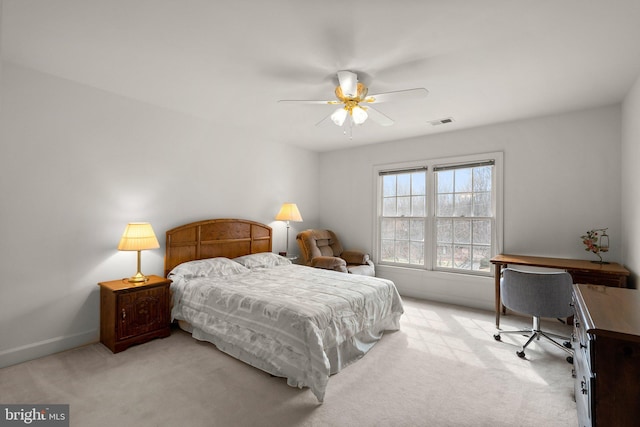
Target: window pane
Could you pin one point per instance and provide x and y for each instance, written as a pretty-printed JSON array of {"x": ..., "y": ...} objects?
[
  {"x": 402, "y": 229},
  {"x": 481, "y": 258},
  {"x": 482, "y": 178},
  {"x": 482, "y": 232},
  {"x": 482, "y": 204},
  {"x": 418, "y": 206},
  {"x": 402, "y": 252},
  {"x": 404, "y": 206},
  {"x": 388, "y": 229},
  {"x": 444, "y": 231},
  {"x": 462, "y": 231},
  {"x": 462, "y": 181},
  {"x": 387, "y": 252},
  {"x": 388, "y": 185},
  {"x": 417, "y": 230},
  {"x": 445, "y": 205},
  {"x": 389, "y": 206},
  {"x": 404, "y": 184},
  {"x": 417, "y": 253},
  {"x": 463, "y": 205},
  {"x": 418, "y": 183},
  {"x": 462, "y": 257},
  {"x": 444, "y": 256},
  {"x": 445, "y": 181}
]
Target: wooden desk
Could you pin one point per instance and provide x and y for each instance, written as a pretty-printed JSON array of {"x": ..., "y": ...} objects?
[{"x": 581, "y": 271}]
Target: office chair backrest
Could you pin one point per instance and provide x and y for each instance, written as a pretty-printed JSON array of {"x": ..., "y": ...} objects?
[{"x": 537, "y": 294}]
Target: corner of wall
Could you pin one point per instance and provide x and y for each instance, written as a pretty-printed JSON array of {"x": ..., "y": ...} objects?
[{"x": 630, "y": 182}]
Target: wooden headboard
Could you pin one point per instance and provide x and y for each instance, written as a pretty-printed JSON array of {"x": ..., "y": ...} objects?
[{"x": 215, "y": 238}]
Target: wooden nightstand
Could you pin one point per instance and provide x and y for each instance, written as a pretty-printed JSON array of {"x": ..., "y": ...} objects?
[{"x": 133, "y": 313}]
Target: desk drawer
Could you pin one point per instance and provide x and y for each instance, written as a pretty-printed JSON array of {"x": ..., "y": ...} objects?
[{"x": 592, "y": 278}]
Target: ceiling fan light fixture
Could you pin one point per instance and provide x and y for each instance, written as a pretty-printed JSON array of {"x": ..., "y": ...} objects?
[
  {"x": 359, "y": 115},
  {"x": 339, "y": 116}
]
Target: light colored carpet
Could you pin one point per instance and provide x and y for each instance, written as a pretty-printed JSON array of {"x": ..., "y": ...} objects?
[{"x": 443, "y": 368}]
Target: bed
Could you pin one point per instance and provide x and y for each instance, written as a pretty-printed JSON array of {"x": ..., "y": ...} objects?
[{"x": 292, "y": 321}]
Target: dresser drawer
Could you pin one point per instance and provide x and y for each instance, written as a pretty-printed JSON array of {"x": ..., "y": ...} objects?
[
  {"x": 584, "y": 389},
  {"x": 582, "y": 339}
]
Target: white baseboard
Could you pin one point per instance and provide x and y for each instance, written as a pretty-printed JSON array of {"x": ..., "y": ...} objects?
[
  {"x": 451, "y": 288},
  {"x": 36, "y": 350}
]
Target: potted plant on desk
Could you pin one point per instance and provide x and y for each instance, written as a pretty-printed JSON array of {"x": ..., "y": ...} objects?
[{"x": 596, "y": 241}]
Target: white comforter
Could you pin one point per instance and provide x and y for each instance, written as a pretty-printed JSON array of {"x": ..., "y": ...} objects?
[{"x": 292, "y": 321}]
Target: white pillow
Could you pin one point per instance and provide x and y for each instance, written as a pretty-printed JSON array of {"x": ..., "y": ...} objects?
[
  {"x": 210, "y": 267},
  {"x": 262, "y": 259}
]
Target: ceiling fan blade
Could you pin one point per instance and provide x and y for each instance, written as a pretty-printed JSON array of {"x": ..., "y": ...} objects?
[
  {"x": 348, "y": 83},
  {"x": 399, "y": 95},
  {"x": 378, "y": 117},
  {"x": 326, "y": 120},
  {"x": 307, "y": 101}
]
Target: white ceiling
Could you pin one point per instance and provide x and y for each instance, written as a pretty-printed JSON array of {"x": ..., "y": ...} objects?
[{"x": 483, "y": 61}]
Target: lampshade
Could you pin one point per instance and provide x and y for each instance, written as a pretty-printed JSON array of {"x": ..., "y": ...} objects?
[
  {"x": 138, "y": 236},
  {"x": 339, "y": 116},
  {"x": 359, "y": 115},
  {"x": 289, "y": 212}
]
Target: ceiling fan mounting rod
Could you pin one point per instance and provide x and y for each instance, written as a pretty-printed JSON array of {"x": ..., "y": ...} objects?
[
  {"x": 350, "y": 104},
  {"x": 361, "y": 93}
]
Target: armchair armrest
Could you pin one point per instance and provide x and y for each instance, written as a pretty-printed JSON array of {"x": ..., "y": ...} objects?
[
  {"x": 355, "y": 257},
  {"x": 329, "y": 263}
]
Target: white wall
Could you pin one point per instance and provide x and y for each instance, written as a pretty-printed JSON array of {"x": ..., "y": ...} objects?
[
  {"x": 561, "y": 178},
  {"x": 77, "y": 164},
  {"x": 631, "y": 181}
]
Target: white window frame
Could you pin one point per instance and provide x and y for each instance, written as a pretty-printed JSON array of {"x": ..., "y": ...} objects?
[{"x": 430, "y": 243}]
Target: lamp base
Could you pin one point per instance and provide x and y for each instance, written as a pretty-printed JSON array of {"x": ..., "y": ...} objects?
[{"x": 138, "y": 278}]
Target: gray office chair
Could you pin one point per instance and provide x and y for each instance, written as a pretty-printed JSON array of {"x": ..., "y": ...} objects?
[{"x": 538, "y": 295}]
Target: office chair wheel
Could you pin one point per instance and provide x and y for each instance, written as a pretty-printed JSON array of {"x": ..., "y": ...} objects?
[
  {"x": 520, "y": 354},
  {"x": 570, "y": 359},
  {"x": 567, "y": 344},
  {"x": 497, "y": 337}
]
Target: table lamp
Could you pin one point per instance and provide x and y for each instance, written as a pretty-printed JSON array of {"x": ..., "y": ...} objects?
[
  {"x": 289, "y": 212},
  {"x": 138, "y": 236}
]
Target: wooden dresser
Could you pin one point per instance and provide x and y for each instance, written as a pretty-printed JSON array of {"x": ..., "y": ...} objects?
[
  {"x": 606, "y": 340},
  {"x": 133, "y": 313}
]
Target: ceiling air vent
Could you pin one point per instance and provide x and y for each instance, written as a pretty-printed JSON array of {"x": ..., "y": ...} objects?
[{"x": 439, "y": 122}]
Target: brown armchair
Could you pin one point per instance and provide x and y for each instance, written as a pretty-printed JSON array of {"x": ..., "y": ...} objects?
[{"x": 322, "y": 249}]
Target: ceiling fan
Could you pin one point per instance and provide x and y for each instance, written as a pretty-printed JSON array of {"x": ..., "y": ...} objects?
[{"x": 356, "y": 105}]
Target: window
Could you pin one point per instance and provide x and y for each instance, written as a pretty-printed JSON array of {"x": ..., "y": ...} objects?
[
  {"x": 403, "y": 216},
  {"x": 464, "y": 216},
  {"x": 440, "y": 215}
]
